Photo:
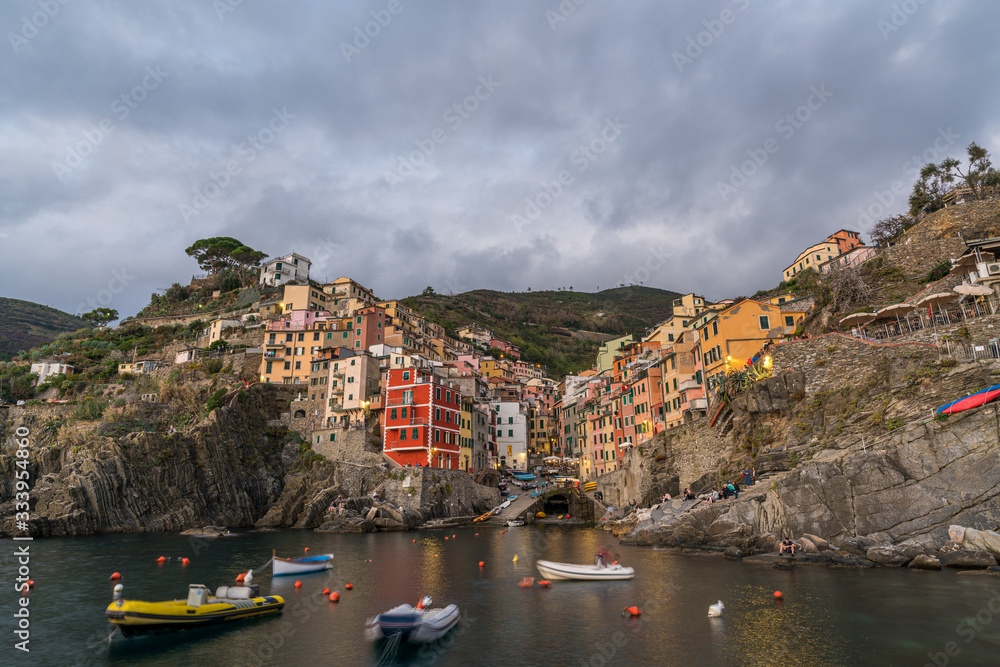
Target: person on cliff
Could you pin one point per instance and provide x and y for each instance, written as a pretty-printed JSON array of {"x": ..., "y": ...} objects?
[
  {"x": 725, "y": 490},
  {"x": 786, "y": 545},
  {"x": 688, "y": 495},
  {"x": 747, "y": 479},
  {"x": 733, "y": 490}
]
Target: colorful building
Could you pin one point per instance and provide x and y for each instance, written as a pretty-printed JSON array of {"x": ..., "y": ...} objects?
[{"x": 423, "y": 416}]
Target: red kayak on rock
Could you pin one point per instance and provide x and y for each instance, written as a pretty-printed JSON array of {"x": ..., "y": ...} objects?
[{"x": 976, "y": 400}]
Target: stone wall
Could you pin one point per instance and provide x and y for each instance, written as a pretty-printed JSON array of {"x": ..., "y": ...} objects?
[
  {"x": 973, "y": 219},
  {"x": 917, "y": 258},
  {"x": 435, "y": 492},
  {"x": 345, "y": 446}
]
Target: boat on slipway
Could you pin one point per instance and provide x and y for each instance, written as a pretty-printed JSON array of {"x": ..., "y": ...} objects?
[
  {"x": 416, "y": 625},
  {"x": 552, "y": 570},
  {"x": 230, "y": 603}
]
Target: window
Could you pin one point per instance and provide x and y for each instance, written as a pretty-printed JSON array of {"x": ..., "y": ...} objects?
[
  {"x": 437, "y": 414},
  {"x": 288, "y": 365},
  {"x": 333, "y": 437},
  {"x": 346, "y": 334},
  {"x": 403, "y": 413},
  {"x": 705, "y": 333},
  {"x": 406, "y": 375},
  {"x": 789, "y": 321},
  {"x": 358, "y": 332},
  {"x": 402, "y": 434},
  {"x": 316, "y": 336},
  {"x": 510, "y": 420},
  {"x": 288, "y": 338},
  {"x": 437, "y": 393},
  {"x": 302, "y": 336},
  {"x": 437, "y": 435},
  {"x": 670, "y": 337},
  {"x": 352, "y": 361},
  {"x": 298, "y": 365},
  {"x": 416, "y": 434},
  {"x": 715, "y": 328},
  {"x": 510, "y": 433},
  {"x": 765, "y": 323},
  {"x": 392, "y": 413},
  {"x": 329, "y": 335},
  {"x": 268, "y": 368}
]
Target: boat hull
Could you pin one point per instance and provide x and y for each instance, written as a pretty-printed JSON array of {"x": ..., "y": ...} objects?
[
  {"x": 287, "y": 566},
  {"x": 136, "y": 616},
  {"x": 571, "y": 571},
  {"x": 416, "y": 626}
]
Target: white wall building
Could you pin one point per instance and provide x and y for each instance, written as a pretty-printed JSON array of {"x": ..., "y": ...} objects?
[
  {"x": 280, "y": 270},
  {"x": 47, "y": 368},
  {"x": 512, "y": 433}
]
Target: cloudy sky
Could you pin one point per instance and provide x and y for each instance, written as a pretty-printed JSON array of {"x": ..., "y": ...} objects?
[{"x": 693, "y": 146}]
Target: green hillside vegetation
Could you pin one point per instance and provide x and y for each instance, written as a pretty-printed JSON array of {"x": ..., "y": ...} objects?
[
  {"x": 542, "y": 323},
  {"x": 24, "y": 325}
]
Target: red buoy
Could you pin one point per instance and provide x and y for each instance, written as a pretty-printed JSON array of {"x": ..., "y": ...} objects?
[
  {"x": 414, "y": 541},
  {"x": 115, "y": 576},
  {"x": 31, "y": 583},
  {"x": 185, "y": 561},
  {"x": 349, "y": 586},
  {"x": 307, "y": 548},
  {"x": 335, "y": 597},
  {"x": 161, "y": 559},
  {"x": 482, "y": 563},
  {"x": 240, "y": 577},
  {"x": 544, "y": 583},
  {"x": 326, "y": 591},
  {"x": 298, "y": 584},
  {"x": 632, "y": 611},
  {"x": 778, "y": 595},
  {"x": 445, "y": 537},
  {"x": 453, "y": 536}
]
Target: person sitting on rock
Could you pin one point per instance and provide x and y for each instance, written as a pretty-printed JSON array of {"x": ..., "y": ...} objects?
[
  {"x": 725, "y": 491},
  {"x": 786, "y": 545},
  {"x": 687, "y": 494}
]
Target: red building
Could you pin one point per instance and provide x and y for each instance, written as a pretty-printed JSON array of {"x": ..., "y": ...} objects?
[
  {"x": 423, "y": 418},
  {"x": 508, "y": 349},
  {"x": 845, "y": 239},
  {"x": 369, "y": 326}
]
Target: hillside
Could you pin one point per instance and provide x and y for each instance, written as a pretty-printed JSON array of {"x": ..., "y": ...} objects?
[
  {"x": 543, "y": 324},
  {"x": 24, "y": 325}
]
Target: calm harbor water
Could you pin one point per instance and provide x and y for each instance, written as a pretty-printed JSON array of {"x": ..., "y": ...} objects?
[{"x": 828, "y": 617}]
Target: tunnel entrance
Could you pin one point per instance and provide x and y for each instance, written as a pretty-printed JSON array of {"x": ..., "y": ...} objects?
[{"x": 556, "y": 505}]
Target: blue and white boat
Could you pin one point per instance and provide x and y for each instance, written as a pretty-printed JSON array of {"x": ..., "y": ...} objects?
[
  {"x": 416, "y": 625},
  {"x": 285, "y": 566}
]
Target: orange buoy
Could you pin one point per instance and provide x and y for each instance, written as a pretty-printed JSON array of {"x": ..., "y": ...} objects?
[
  {"x": 31, "y": 583},
  {"x": 477, "y": 534},
  {"x": 326, "y": 591},
  {"x": 185, "y": 561},
  {"x": 349, "y": 586},
  {"x": 544, "y": 583},
  {"x": 115, "y": 576},
  {"x": 445, "y": 537},
  {"x": 307, "y": 548},
  {"x": 482, "y": 563},
  {"x": 414, "y": 541},
  {"x": 335, "y": 597},
  {"x": 453, "y": 536},
  {"x": 632, "y": 611},
  {"x": 240, "y": 577},
  {"x": 778, "y": 595},
  {"x": 161, "y": 559},
  {"x": 369, "y": 560},
  {"x": 527, "y": 582},
  {"x": 436, "y": 555},
  {"x": 298, "y": 584}
]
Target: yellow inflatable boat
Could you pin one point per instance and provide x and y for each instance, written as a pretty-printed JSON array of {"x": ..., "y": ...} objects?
[{"x": 230, "y": 603}]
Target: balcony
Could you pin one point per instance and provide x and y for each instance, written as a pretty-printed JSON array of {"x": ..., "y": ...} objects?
[
  {"x": 689, "y": 384},
  {"x": 396, "y": 402},
  {"x": 699, "y": 404}
]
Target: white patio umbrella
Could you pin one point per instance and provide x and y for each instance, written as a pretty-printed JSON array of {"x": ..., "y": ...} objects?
[
  {"x": 894, "y": 311},
  {"x": 967, "y": 263},
  {"x": 938, "y": 299},
  {"x": 974, "y": 291},
  {"x": 857, "y": 319}
]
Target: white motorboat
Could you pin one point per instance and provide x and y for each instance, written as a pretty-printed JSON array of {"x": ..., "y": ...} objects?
[
  {"x": 514, "y": 524},
  {"x": 417, "y": 625},
  {"x": 551, "y": 570},
  {"x": 283, "y": 566}
]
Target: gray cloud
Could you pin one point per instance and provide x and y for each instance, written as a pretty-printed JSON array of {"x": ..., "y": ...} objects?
[{"x": 320, "y": 186}]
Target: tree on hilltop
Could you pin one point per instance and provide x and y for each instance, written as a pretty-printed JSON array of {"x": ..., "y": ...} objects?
[
  {"x": 219, "y": 253},
  {"x": 100, "y": 316},
  {"x": 887, "y": 229},
  {"x": 936, "y": 180}
]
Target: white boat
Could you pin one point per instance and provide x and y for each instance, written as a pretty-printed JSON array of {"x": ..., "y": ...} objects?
[
  {"x": 417, "y": 625},
  {"x": 514, "y": 524},
  {"x": 551, "y": 570},
  {"x": 283, "y": 566}
]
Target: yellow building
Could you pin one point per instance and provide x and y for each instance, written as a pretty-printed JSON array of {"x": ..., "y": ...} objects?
[
  {"x": 733, "y": 336},
  {"x": 289, "y": 347},
  {"x": 346, "y": 296},
  {"x": 812, "y": 257},
  {"x": 303, "y": 297},
  {"x": 466, "y": 442},
  {"x": 685, "y": 309},
  {"x": 496, "y": 368}
]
